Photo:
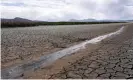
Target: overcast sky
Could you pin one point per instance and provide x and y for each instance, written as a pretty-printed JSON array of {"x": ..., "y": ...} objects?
[{"x": 58, "y": 10}]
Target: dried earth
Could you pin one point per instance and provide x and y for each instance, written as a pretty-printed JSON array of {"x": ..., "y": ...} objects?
[
  {"x": 19, "y": 45},
  {"x": 112, "y": 60}
]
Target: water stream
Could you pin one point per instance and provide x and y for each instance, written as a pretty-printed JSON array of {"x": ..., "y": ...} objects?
[{"x": 17, "y": 71}]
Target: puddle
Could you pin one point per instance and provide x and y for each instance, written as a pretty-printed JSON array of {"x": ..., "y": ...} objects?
[{"x": 17, "y": 71}]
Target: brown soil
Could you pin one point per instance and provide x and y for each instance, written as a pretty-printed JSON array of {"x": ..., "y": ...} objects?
[
  {"x": 74, "y": 66},
  {"x": 19, "y": 45}
]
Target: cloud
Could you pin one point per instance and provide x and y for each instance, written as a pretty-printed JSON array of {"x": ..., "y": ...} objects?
[{"x": 56, "y": 10}]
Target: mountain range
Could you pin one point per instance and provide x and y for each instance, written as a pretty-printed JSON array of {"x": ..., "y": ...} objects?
[
  {"x": 94, "y": 20},
  {"x": 84, "y": 20},
  {"x": 18, "y": 19}
]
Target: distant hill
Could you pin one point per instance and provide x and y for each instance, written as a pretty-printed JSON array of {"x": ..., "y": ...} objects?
[
  {"x": 129, "y": 20},
  {"x": 22, "y": 19},
  {"x": 94, "y": 20},
  {"x": 17, "y": 19},
  {"x": 22, "y": 22},
  {"x": 17, "y": 22},
  {"x": 116, "y": 20},
  {"x": 84, "y": 20}
]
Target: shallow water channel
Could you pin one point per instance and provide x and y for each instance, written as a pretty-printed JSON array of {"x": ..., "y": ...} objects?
[{"x": 18, "y": 70}]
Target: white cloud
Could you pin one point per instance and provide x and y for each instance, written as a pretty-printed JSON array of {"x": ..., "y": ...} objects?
[{"x": 53, "y": 10}]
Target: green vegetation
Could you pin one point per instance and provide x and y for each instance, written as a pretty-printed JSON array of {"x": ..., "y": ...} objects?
[{"x": 26, "y": 24}]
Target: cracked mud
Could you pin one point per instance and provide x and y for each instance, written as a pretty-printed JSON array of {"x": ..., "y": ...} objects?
[{"x": 113, "y": 60}]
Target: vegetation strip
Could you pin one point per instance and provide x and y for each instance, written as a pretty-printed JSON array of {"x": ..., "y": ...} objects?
[{"x": 32, "y": 23}]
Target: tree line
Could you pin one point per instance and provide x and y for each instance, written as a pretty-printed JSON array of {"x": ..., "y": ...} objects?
[{"x": 36, "y": 23}]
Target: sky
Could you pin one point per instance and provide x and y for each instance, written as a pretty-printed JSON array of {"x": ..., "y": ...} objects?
[{"x": 63, "y": 10}]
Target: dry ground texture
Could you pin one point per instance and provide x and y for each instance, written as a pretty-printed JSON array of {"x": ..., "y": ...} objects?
[
  {"x": 24, "y": 44},
  {"x": 110, "y": 59},
  {"x": 113, "y": 59}
]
